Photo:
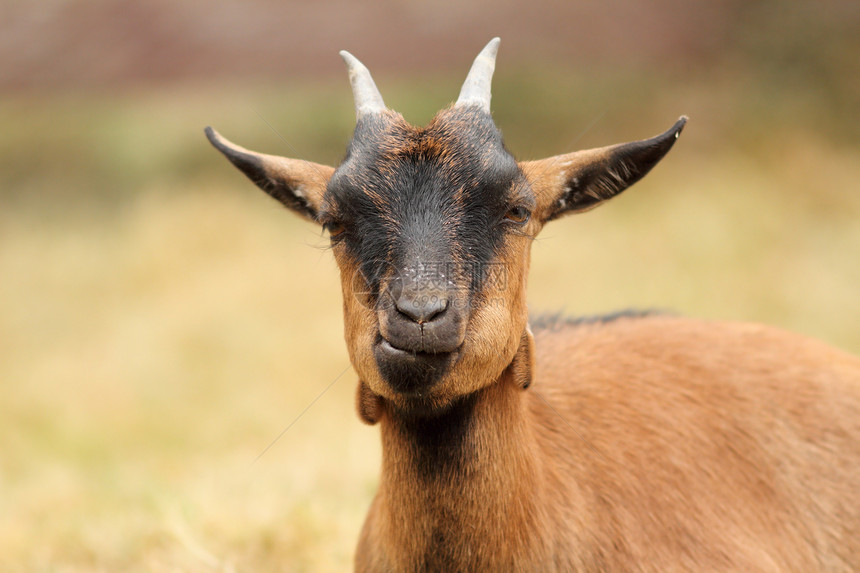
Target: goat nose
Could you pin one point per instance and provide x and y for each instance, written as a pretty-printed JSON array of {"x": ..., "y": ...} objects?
[{"x": 422, "y": 306}]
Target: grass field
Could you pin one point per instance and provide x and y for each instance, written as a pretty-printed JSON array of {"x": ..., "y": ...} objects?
[{"x": 162, "y": 322}]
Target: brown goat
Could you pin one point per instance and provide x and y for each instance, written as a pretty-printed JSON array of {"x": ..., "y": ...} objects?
[{"x": 632, "y": 442}]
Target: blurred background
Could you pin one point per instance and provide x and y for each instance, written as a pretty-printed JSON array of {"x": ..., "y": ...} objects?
[{"x": 174, "y": 390}]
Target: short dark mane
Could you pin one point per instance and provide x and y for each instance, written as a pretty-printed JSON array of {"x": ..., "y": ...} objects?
[{"x": 558, "y": 321}]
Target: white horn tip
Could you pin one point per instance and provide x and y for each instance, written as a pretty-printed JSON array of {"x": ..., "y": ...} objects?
[
  {"x": 367, "y": 97},
  {"x": 492, "y": 46},
  {"x": 476, "y": 89}
]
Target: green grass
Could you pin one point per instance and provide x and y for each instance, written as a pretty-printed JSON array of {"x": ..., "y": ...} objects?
[{"x": 162, "y": 322}]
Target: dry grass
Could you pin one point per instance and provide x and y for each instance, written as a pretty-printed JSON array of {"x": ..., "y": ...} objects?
[
  {"x": 152, "y": 350},
  {"x": 147, "y": 361}
]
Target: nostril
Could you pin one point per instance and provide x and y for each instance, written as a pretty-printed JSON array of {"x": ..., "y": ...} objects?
[{"x": 422, "y": 308}]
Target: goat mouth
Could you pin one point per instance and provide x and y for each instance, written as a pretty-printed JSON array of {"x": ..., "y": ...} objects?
[
  {"x": 392, "y": 347},
  {"x": 408, "y": 371}
]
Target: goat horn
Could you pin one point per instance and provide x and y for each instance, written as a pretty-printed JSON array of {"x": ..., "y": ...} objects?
[
  {"x": 476, "y": 88},
  {"x": 367, "y": 97}
]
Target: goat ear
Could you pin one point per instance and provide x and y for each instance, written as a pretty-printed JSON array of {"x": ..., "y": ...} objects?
[
  {"x": 522, "y": 366},
  {"x": 368, "y": 404},
  {"x": 582, "y": 180},
  {"x": 299, "y": 185}
]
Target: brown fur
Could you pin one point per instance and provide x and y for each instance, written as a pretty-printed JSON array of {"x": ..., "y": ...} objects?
[{"x": 651, "y": 444}]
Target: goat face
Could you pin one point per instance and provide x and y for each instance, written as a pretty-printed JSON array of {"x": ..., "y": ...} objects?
[{"x": 431, "y": 229}]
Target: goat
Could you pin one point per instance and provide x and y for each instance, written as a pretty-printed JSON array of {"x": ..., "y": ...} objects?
[{"x": 635, "y": 442}]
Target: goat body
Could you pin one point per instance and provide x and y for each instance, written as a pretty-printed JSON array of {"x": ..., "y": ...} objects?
[{"x": 644, "y": 444}]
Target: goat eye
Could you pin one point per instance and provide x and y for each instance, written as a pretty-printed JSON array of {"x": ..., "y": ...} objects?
[
  {"x": 518, "y": 214},
  {"x": 334, "y": 229}
]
